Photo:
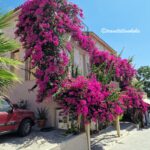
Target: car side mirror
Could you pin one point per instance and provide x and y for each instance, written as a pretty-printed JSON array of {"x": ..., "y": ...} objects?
[
  {"x": 10, "y": 110},
  {"x": 15, "y": 106}
]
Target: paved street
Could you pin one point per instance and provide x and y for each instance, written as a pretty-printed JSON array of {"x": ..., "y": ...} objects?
[
  {"x": 36, "y": 140},
  {"x": 138, "y": 140}
]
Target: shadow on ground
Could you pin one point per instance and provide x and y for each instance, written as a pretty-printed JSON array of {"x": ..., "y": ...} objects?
[
  {"x": 109, "y": 136},
  {"x": 36, "y": 138}
]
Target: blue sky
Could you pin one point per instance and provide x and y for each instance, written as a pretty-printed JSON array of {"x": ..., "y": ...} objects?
[{"x": 116, "y": 14}]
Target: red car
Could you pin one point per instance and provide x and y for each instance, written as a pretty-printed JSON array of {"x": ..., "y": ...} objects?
[{"x": 13, "y": 119}]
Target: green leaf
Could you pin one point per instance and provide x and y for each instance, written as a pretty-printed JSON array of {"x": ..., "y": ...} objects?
[
  {"x": 5, "y": 20},
  {"x": 10, "y": 62},
  {"x": 143, "y": 77},
  {"x": 8, "y": 76},
  {"x": 7, "y": 45},
  {"x": 6, "y": 79}
]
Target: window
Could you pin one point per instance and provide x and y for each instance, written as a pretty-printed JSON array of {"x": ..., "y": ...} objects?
[
  {"x": 82, "y": 63},
  {"x": 4, "y": 105},
  {"x": 87, "y": 65},
  {"x": 25, "y": 70},
  {"x": 29, "y": 71},
  {"x": 15, "y": 55},
  {"x": 81, "y": 59}
]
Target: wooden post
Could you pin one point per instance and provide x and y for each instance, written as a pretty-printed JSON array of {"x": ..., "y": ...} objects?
[
  {"x": 118, "y": 126},
  {"x": 79, "y": 122},
  {"x": 87, "y": 130},
  {"x": 68, "y": 123},
  {"x": 97, "y": 125}
]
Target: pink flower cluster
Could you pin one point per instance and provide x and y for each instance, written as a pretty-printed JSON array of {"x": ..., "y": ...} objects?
[
  {"x": 112, "y": 106},
  {"x": 81, "y": 96},
  {"x": 133, "y": 99},
  {"x": 89, "y": 98},
  {"x": 123, "y": 71},
  {"x": 41, "y": 28}
]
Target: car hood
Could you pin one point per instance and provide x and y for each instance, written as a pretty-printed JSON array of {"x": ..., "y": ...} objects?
[{"x": 24, "y": 111}]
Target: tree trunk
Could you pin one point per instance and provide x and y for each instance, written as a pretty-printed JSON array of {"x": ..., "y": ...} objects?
[
  {"x": 87, "y": 130},
  {"x": 97, "y": 125},
  {"x": 118, "y": 126},
  {"x": 79, "y": 122}
]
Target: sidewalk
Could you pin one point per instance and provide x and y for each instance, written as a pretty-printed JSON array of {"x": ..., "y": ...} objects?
[
  {"x": 108, "y": 137},
  {"x": 139, "y": 140}
]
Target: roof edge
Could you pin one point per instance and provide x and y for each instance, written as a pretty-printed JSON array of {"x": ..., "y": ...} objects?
[{"x": 109, "y": 48}]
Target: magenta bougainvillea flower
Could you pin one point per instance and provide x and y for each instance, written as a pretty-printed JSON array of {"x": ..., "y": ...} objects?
[
  {"x": 121, "y": 69},
  {"x": 112, "y": 106},
  {"x": 89, "y": 98},
  {"x": 81, "y": 96},
  {"x": 41, "y": 28},
  {"x": 133, "y": 99}
]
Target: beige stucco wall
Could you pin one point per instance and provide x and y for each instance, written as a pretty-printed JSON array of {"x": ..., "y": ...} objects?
[
  {"x": 100, "y": 46},
  {"x": 20, "y": 92}
]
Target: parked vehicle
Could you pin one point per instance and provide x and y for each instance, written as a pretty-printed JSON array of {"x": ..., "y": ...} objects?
[{"x": 14, "y": 119}]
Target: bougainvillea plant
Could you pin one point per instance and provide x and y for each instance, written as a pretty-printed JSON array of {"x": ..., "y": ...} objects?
[
  {"x": 81, "y": 96},
  {"x": 112, "y": 106},
  {"x": 42, "y": 28},
  {"x": 133, "y": 99},
  {"x": 90, "y": 99},
  {"x": 134, "y": 105},
  {"x": 109, "y": 67}
]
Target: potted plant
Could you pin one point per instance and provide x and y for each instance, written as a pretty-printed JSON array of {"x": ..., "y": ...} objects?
[{"x": 41, "y": 117}]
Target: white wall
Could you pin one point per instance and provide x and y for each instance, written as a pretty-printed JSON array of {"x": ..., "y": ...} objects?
[
  {"x": 20, "y": 92},
  {"x": 99, "y": 45}
]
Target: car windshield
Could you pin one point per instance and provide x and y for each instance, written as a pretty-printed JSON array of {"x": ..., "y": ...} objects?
[{"x": 4, "y": 105}]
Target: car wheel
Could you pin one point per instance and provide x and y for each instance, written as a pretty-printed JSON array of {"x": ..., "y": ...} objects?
[{"x": 25, "y": 127}]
